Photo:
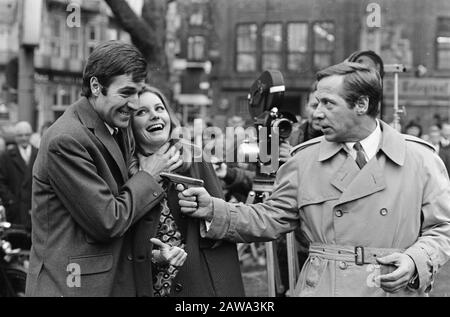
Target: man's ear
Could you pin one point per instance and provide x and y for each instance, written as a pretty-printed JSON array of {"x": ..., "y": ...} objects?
[
  {"x": 95, "y": 86},
  {"x": 362, "y": 105}
]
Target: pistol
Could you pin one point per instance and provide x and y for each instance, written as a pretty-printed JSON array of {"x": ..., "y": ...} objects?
[{"x": 184, "y": 180}]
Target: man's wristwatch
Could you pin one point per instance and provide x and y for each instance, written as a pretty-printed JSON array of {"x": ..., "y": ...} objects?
[{"x": 414, "y": 281}]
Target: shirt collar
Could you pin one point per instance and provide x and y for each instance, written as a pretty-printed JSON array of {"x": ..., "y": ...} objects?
[
  {"x": 111, "y": 130},
  {"x": 27, "y": 148},
  {"x": 370, "y": 144},
  {"x": 392, "y": 144}
]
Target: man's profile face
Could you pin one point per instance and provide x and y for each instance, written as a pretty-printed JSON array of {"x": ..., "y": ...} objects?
[
  {"x": 435, "y": 135},
  {"x": 120, "y": 101},
  {"x": 446, "y": 130},
  {"x": 310, "y": 108},
  {"x": 414, "y": 131},
  {"x": 336, "y": 120}
]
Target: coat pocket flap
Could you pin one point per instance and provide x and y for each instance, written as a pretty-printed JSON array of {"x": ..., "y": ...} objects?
[
  {"x": 92, "y": 264},
  {"x": 317, "y": 199}
]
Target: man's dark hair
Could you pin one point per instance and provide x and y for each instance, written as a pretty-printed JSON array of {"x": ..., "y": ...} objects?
[
  {"x": 372, "y": 55},
  {"x": 359, "y": 80},
  {"x": 111, "y": 59},
  {"x": 412, "y": 124}
]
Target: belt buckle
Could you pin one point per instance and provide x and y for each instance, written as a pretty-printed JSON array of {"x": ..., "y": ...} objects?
[{"x": 359, "y": 255}]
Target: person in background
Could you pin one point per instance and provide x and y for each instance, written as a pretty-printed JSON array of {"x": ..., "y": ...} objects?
[
  {"x": 435, "y": 138},
  {"x": 16, "y": 166},
  {"x": 2, "y": 145},
  {"x": 309, "y": 129},
  {"x": 445, "y": 134},
  {"x": 414, "y": 129},
  {"x": 35, "y": 139},
  {"x": 368, "y": 58}
]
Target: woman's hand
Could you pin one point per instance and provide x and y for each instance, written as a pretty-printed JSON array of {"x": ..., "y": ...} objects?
[
  {"x": 166, "y": 159},
  {"x": 219, "y": 167},
  {"x": 168, "y": 254}
]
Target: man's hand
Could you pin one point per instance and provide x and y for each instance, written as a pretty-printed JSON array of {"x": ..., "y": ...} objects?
[
  {"x": 195, "y": 202},
  {"x": 166, "y": 159},
  {"x": 167, "y": 254},
  {"x": 398, "y": 279}
]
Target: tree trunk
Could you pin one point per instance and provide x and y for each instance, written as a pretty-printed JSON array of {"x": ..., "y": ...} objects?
[{"x": 147, "y": 34}]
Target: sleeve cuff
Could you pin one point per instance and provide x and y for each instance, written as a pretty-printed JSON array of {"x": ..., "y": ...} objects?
[
  {"x": 421, "y": 261},
  {"x": 220, "y": 223}
]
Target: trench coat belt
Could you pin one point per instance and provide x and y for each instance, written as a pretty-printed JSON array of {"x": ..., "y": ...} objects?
[{"x": 360, "y": 255}]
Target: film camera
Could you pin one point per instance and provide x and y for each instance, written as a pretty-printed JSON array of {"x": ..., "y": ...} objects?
[{"x": 272, "y": 126}]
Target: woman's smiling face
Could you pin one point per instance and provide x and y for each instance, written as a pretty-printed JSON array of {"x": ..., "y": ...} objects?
[{"x": 151, "y": 122}]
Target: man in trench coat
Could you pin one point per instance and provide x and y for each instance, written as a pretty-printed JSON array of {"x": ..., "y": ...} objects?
[{"x": 374, "y": 203}]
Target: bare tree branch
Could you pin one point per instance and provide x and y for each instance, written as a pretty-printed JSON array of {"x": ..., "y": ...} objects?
[{"x": 141, "y": 34}]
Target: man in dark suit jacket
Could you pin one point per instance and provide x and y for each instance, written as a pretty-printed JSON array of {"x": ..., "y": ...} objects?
[
  {"x": 85, "y": 206},
  {"x": 16, "y": 166}
]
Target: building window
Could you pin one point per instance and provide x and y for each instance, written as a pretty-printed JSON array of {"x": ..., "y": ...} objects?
[
  {"x": 74, "y": 40},
  {"x": 196, "y": 48},
  {"x": 196, "y": 18},
  {"x": 297, "y": 47},
  {"x": 324, "y": 39},
  {"x": 55, "y": 37},
  {"x": 93, "y": 37},
  {"x": 247, "y": 36},
  {"x": 272, "y": 46},
  {"x": 443, "y": 44}
]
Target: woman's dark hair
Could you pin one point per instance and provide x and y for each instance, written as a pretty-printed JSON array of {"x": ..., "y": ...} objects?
[
  {"x": 111, "y": 59},
  {"x": 359, "y": 80},
  {"x": 372, "y": 55}
]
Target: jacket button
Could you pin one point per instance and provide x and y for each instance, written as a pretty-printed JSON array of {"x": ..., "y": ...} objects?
[
  {"x": 343, "y": 265},
  {"x": 155, "y": 194},
  {"x": 338, "y": 213},
  {"x": 178, "y": 287},
  {"x": 383, "y": 212},
  {"x": 129, "y": 257}
]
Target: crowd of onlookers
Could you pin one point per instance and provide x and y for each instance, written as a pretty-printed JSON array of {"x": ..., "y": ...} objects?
[
  {"x": 437, "y": 134},
  {"x": 17, "y": 156}
]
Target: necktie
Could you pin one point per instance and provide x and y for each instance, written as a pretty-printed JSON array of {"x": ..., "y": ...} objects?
[
  {"x": 26, "y": 156},
  {"x": 117, "y": 135},
  {"x": 360, "y": 157}
]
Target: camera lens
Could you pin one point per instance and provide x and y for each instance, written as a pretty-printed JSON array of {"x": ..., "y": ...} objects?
[{"x": 284, "y": 127}]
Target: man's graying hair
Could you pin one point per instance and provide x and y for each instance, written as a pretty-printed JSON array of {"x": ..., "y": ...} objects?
[{"x": 359, "y": 80}]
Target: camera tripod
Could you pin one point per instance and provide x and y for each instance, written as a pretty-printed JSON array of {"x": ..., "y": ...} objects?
[{"x": 262, "y": 187}]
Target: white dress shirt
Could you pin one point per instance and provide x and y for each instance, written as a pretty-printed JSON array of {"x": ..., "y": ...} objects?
[
  {"x": 111, "y": 130},
  {"x": 25, "y": 153},
  {"x": 369, "y": 144}
]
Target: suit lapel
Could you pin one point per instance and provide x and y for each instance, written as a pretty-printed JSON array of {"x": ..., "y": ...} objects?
[
  {"x": 111, "y": 145},
  {"x": 367, "y": 181},
  {"x": 18, "y": 160},
  {"x": 29, "y": 173},
  {"x": 92, "y": 121},
  {"x": 345, "y": 174}
]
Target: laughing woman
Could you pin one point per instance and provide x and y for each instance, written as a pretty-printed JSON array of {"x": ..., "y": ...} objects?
[{"x": 183, "y": 263}]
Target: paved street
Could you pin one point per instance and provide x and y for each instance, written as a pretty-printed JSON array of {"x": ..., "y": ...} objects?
[{"x": 255, "y": 283}]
